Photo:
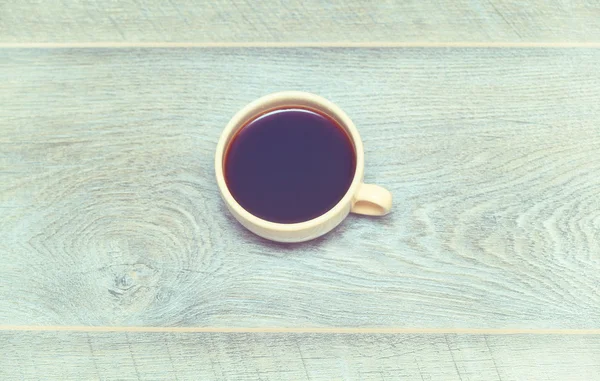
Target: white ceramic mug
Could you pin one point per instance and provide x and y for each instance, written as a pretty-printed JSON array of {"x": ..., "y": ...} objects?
[{"x": 360, "y": 198}]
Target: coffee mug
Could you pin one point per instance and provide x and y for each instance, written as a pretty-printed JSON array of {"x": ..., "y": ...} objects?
[{"x": 359, "y": 198}]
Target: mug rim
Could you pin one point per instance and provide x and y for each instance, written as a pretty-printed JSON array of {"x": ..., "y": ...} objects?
[{"x": 322, "y": 105}]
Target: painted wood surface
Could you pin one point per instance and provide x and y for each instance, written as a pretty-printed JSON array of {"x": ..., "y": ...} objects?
[
  {"x": 299, "y": 21},
  {"x": 111, "y": 215},
  {"x": 219, "y": 356}
]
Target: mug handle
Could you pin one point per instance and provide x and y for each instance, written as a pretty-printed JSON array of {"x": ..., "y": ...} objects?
[{"x": 372, "y": 200}]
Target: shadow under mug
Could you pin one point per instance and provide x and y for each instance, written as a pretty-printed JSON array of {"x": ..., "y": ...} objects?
[{"x": 360, "y": 198}]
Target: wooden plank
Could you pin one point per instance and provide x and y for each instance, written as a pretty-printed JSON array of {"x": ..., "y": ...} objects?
[
  {"x": 211, "y": 356},
  {"x": 299, "y": 21},
  {"x": 111, "y": 215}
]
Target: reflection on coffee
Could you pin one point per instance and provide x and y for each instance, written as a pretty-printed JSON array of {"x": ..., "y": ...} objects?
[{"x": 289, "y": 165}]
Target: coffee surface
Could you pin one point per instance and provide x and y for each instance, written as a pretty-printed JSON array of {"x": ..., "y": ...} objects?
[{"x": 289, "y": 165}]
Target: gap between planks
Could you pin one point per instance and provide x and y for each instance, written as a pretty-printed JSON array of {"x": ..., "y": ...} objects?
[
  {"x": 341, "y": 330},
  {"x": 383, "y": 44}
]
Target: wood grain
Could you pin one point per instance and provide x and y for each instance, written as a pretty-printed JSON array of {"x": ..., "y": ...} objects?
[
  {"x": 135, "y": 356},
  {"x": 299, "y": 21},
  {"x": 111, "y": 216}
]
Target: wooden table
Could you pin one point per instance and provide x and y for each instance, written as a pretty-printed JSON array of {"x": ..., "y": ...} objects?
[{"x": 119, "y": 261}]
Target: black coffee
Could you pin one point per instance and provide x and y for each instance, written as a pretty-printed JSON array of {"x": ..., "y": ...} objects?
[{"x": 289, "y": 165}]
